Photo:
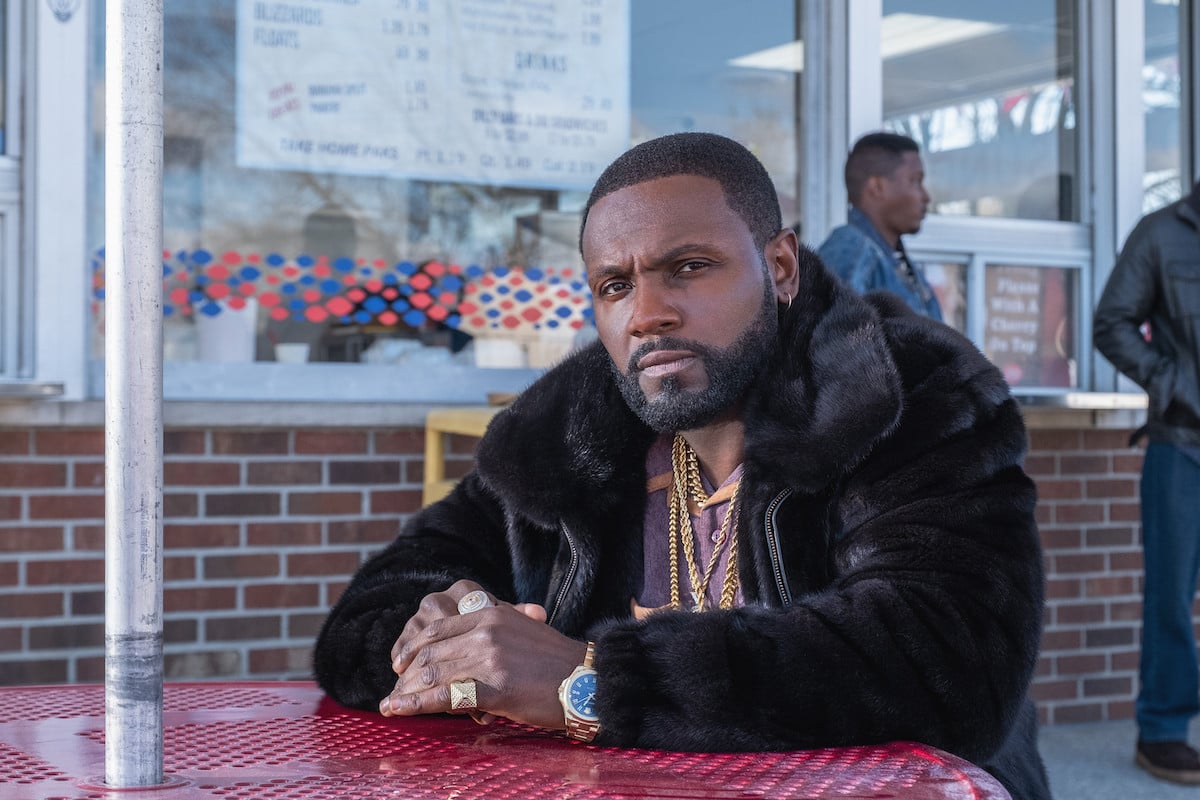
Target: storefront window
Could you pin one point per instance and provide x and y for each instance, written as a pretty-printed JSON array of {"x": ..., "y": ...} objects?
[
  {"x": 988, "y": 91},
  {"x": 1161, "y": 88},
  {"x": 949, "y": 282},
  {"x": 1029, "y": 324},
  {"x": 400, "y": 182}
]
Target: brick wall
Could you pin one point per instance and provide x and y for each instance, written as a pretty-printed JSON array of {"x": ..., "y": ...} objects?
[
  {"x": 1089, "y": 517},
  {"x": 263, "y": 527},
  {"x": 261, "y": 530}
]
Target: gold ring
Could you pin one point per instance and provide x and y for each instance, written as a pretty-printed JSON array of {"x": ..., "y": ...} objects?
[
  {"x": 473, "y": 601},
  {"x": 462, "y": 695}
]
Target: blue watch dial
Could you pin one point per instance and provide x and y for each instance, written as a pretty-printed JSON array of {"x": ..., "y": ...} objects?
[{"x": 582, "y": 695}]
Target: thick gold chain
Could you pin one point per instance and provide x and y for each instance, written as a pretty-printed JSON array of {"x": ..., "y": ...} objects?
[{"x": 686, "y": 484}]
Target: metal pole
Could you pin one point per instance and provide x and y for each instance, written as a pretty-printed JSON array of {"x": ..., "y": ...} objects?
[{"x": 133, "y": 751}]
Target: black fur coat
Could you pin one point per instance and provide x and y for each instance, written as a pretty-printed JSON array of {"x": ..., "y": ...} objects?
[{"x": 888, "y": 552}]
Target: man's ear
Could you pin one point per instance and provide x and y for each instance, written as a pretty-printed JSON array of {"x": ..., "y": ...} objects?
[{"x": 782, "y": 256}]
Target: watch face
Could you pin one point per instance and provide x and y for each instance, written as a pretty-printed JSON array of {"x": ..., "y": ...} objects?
[{"x": 581, "y": 694}]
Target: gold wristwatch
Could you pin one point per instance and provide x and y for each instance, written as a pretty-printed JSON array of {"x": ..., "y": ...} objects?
[{"x": 578, "y": 697}]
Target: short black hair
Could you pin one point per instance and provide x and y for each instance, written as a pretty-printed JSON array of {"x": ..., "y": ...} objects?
[
  {"x": 872, "y": 155},
  {"x": 744, "y": 180}
]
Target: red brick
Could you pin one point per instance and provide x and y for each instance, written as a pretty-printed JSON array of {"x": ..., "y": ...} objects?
[
  {"x": 1086, "y": 464},
  {"x": 31, "y": 604},
  {"x": 1125, "y": 512},
  {"x": 241, "y": 628},
  {"x": 457, "y": 469},
  {"x": 66, "y": 637},
  {"x": 245, "y": 565},
  {"x": 10, "y": 640},
  {"x": 1108, "y": 637},
  {"x": 1055, "y": 690},
  {"x": 1127, "y": 463},
  {"x": 1106, "y": 440},
  {"x": 202, "y": 473},
  {"x": 1109, "y": 586},
  {"x": 331, "y": 442},
  {"x": 1101, "y": 538},
  {"x": 211, "y": 664},
  {"x": 1043, "y": 668},
  {"x": 324, "y": 563},
  {"x": 334, "y": 591},
  {"x": 9, "y": 575},
  {"x": 1061, "y": 538},
  {"x": 1128, "y": 611},
  {"x": 32, "y": 539},
  {"x": 264, "y": 534},
  {"x": 1054, "y": 440},
  {"x": 66, "y": 506},
  {"x": 89, "y": 670},
  {"x": 1078, "y": 562},
  {"x": 404, "y": 440},
  {"x": 1059, "y": 489},
  {"x": 1108, "y": 686},
  {"x": 205, "y": 598},
  {"x": 1120, "y": 709},
  {"x": 282, "y": 595},
  {"x": 180, "y": 631},
  {"x": 364, "y": 472},
  {"x": 275, "y": 473},
  {"x": 180, "y": 536},
  {"x": 1127, "y": 661},
  {"x": 1111, "y": 488},
  {"x": 248, "y": 504},
  {"x": 24, "y": 673},
  {"x": 1079, "y": 614},
  {"x": 87, "y": 537},
  {"x": 66, "y": 442},
  {"x": 303, "y": 626},
  {"x": 1055, "y": 641},
  {"x": 10, "y": 507},
  {"x": 1086, "y": 712},
  {"x": 1063, "y": 588},
  {"x": 461, "y": 444},
  {"x": 87, "y": 603},
  {"x": 1081, "y": 664},
  {"x": 32, "y": 474},
  {"x": 183, "y": 443},
  {"x": 363, "y": 531},
  {"x": 1043, "y": 514},
  {"x": 15, "y": 443},
  {"x": 1126, "y": 562},
  {"x": 179, "y": 568},
  {"x": 401, "y": 501},
  {"x": 281, "y": 659},
  {"x": 1044, "y": 465},
  {"x": 252, "y": 443},
  {"x": 87, "y": 474},
  {"x": 177, "y": 504},
  {"x": 1079, "y": 512},
  {"x": 42, "y": 573},
  {"x": 414, "y": 471},
  {"x": 320, "y": 503}
]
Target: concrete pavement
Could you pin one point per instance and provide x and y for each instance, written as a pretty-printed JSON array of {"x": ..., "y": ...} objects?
[{"x": 1094, "y": 761}]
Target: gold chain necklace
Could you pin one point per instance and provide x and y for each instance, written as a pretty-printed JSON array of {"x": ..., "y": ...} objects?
[{"x": 686, "y": 482}]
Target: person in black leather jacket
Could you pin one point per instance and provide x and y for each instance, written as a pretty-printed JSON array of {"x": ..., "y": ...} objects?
[
  {"x": 853, "y": 470},
  {"x": 1156, "y": 283}
]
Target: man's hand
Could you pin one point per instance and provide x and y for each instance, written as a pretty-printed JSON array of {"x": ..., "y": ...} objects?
[{"x": 516, "y": 660}]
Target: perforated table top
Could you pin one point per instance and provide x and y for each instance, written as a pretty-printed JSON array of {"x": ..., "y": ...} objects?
[{"x": 286, "y": 741}]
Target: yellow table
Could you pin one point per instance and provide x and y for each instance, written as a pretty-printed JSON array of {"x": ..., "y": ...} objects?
[{"x": 466, "y": 420}]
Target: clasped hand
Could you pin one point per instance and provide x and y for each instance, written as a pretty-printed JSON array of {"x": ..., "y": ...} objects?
[{"x": 516, "y": 660}]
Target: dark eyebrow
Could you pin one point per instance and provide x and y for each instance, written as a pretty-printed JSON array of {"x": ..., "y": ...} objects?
[{"x": 674, "y": 254}]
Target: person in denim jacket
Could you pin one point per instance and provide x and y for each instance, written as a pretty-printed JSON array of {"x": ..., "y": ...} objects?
[{"x": 885, "y": 184}]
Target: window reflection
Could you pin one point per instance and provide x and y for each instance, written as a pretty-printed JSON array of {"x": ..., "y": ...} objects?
[
  {"x": 998, "y": 135},
  {"x": 1161, "y": 88},
  {"x": 1030, "y": 322},
  {"x": 399, "y": 267},
  {"x": 949, "y": 282}
]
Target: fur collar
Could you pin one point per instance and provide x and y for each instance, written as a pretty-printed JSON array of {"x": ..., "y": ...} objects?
[{"x": 569, "y": 446}]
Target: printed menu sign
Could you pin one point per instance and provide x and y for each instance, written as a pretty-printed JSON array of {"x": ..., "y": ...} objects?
[{"x": 511, "y": 92}]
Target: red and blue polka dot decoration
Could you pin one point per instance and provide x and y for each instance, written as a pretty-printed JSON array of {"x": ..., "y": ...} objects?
[{"x": 360, "y": 291}]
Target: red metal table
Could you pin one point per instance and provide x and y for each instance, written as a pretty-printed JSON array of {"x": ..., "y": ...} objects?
[{"x": 286, "y": 741}]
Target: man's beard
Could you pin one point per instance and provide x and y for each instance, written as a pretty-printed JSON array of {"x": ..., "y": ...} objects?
[{"x": 730, "y": 372}]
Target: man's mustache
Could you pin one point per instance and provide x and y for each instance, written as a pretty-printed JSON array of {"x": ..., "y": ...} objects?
[{"x": 666, "y": 343}]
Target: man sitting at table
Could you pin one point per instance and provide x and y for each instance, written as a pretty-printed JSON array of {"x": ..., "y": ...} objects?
[{"x": 834, "y": 484}]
